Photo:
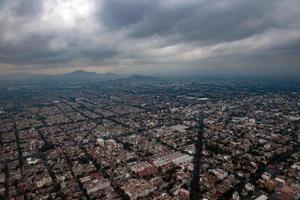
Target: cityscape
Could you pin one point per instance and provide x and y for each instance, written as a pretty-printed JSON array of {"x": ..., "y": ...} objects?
[{"x": 134, "y": 138}]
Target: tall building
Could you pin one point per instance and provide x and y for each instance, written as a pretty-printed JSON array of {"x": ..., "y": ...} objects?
[{"x": 195, "y": 185}]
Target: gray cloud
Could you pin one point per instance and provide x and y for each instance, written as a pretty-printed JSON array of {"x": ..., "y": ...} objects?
[{"x": 151, "y": 35}]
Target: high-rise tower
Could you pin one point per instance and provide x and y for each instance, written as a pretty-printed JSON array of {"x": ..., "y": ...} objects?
[{"x": 195, "y": 185}]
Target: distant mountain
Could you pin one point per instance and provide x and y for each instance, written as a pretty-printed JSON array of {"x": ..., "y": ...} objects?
[
  {"x": 78, "y": 75},
  {"x": 140, "y": 77},
  {"x": 110, "y": 74}
]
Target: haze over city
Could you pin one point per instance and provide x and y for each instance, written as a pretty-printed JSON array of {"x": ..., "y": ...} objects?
[{"x": 150, "y": 36}]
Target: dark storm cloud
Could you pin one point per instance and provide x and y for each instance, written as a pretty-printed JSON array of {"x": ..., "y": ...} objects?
[
  {"x": 152, "y": 34},
  {"x": 117, "y": 14},
  {"x": 28, "y": 8},
  {"x": 201, "y": 21},
  {"x": 35, "y": 50},
  {"x": 26, "y": 52}
]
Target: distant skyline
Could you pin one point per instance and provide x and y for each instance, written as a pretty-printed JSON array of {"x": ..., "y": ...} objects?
[{"x": 150, "y": 36}]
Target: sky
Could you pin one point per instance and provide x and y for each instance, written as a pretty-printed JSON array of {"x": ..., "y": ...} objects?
[{"x": 150, "y": 36}]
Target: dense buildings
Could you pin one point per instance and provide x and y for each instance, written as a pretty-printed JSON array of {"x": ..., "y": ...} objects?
[{"x": 134, "y": 139}]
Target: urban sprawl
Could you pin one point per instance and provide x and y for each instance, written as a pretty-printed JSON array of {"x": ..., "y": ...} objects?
[{"x": 135, "y": 139}]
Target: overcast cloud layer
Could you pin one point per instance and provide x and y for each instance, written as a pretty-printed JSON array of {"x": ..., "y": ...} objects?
[{"x": 150, "y": 36}]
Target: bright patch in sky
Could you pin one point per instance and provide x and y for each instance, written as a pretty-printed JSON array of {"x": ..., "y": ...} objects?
[{"x": 69, "y": 12}]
